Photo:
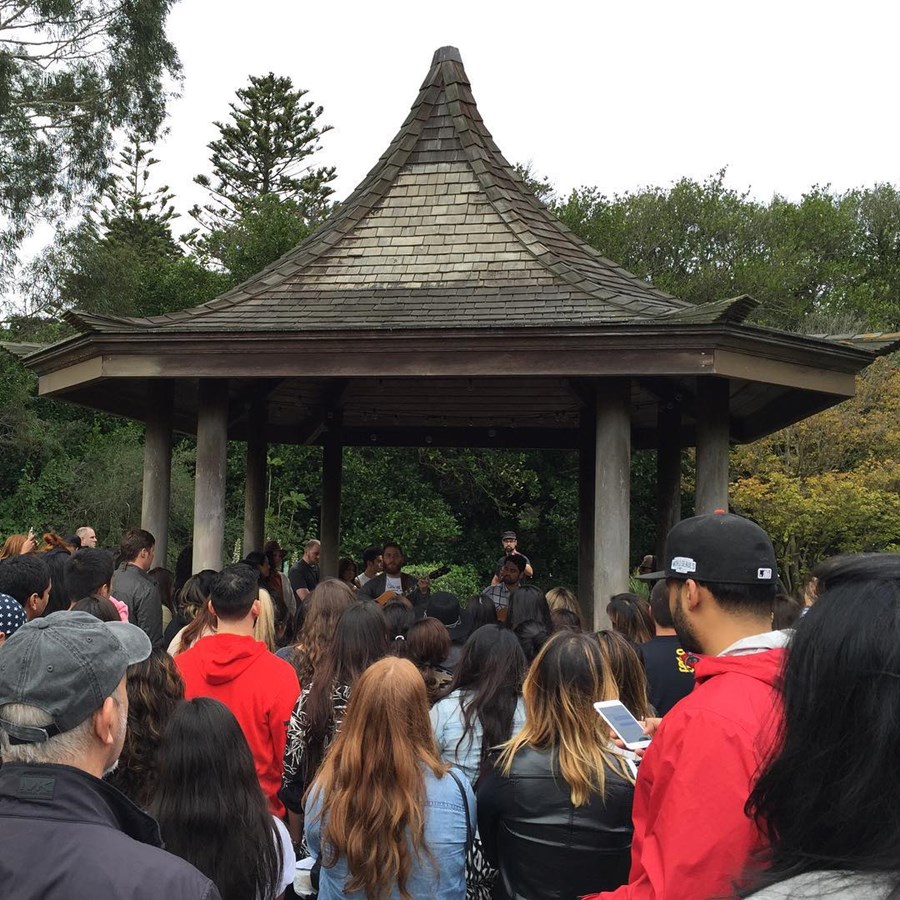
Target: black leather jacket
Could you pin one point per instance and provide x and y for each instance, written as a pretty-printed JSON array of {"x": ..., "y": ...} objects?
[
  {"x": 544, "y": 847},
  {"x": 65, "y": 835}
]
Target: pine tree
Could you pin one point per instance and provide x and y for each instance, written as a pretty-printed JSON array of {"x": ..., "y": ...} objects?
[{"x": 264, "y": 150}]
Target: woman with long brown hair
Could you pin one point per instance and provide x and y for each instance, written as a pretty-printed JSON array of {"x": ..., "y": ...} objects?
[
  {"x": 155, "y": 688},
  {"x": 630, "y": 615},
  {"x": 385, "y": 817},
  {"x": 361, "y": 638},
  {"x": 627, "y": 671},
  {"x": 554, "y": 815},
  {"x": 325, "y": 605}
]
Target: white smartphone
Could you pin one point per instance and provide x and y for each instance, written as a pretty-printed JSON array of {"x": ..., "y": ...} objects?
[{"x": 623, "y": 723}]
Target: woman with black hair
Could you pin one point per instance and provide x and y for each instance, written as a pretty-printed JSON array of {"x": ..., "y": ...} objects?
[
  {"x": 528, "y": 603},
  {"x": 211, "y": 809},
  {"x": 482, "y": 706},
  {"x": 554, "y": 812},
  {"x": 827, "y": 799},
  {"x": 400, "y": 617},
  {"x": 360, "y": 639}
]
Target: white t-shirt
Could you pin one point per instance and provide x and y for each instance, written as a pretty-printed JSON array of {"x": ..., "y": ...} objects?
[
  {"x": 393, "y": 583},
  {"x": 289, "y": 860}
]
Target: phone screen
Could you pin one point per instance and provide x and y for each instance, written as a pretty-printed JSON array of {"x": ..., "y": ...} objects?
[{"x": 624, "y": 723}]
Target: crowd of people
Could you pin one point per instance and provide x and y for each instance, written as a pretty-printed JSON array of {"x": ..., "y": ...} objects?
[{"x": 253, "y": 733}]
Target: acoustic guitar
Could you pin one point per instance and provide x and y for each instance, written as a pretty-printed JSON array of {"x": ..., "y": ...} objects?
[{"x": 388, "y": 596}]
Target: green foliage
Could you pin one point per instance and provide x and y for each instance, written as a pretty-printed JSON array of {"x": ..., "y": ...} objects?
[
  {"x": 72, "y": 72},
  {"x": 267, "y": 229},
  {"x": 265, "y": 196},
  {"x": 830, "y": 484},
  {"x": 122, "y": 260},
  {"x": 828, "y": 262}
]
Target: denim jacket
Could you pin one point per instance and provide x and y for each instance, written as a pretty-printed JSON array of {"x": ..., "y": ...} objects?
[
  {"x": 446, "y": 834},
  {"x": 448, "y": 723}
]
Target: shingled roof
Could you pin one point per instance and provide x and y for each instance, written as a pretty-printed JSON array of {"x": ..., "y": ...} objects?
[{"x": 442, "y": 233}]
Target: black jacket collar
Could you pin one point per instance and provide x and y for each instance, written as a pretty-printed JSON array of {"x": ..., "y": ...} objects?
[{"x": 64, "y": 792}]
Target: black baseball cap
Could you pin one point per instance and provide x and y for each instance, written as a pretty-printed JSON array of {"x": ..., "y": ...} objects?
[
  {"x": 719, "y": 548},
  {"x": 508, "y": 536}
]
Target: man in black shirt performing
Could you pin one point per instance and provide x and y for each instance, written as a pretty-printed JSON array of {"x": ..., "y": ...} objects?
[
  {"x": 304, "y": 576},
  {"x": 510, "y": 542},
  {"x": 393, "y": 580},
  {"x": 668, "y": 673}
]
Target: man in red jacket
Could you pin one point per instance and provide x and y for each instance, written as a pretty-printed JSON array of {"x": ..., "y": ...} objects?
[
  {"x": 691, "y": 836},
  {"x": 232, "y": 666}
]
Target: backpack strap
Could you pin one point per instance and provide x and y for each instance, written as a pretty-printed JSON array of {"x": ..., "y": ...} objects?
[{"x": 462, "y": 792}]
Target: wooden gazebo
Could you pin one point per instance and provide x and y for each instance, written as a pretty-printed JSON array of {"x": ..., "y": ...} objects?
[{"x": 443, "y": 305}]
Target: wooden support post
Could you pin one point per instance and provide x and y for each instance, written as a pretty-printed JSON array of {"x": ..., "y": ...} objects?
[
  {"x": 587, "y": 466},
  {"x": 668, "y": 474},
  {"x": 612, "y": 502},
  {"x": 330, "y": 526},
  {"x": 255, "y": 486},
  {"x": 712, "y": 445},
  {"x": 158, "y": 466},
  {"x": 209, "y": 485}
]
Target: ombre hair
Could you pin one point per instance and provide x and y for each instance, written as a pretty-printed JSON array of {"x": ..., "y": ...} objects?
[
  {"x": 627, "y": 671},
  {"x": 372, "y": 784},
  {"x": 327, "y": 603},
  {"x": 563, "y": 683}
]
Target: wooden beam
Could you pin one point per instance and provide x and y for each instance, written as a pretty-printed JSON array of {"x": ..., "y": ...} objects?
[
  {"x": 255, "y": 474},
  {"x": 157, "y": 481},
  {"x": 612, "y": 499},
  {"x": 712, "y": 446},
  {"x": 732, "y": 364},
  {"x": 587, "y": 475},
  {"x": 668, "y": 474},
  {"x": 330, "y": 524},
  {"x": 209, "y": 487}
]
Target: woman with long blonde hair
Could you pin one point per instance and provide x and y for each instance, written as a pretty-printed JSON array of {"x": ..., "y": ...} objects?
[
  {"x": 554, "y": 816},
  {"x": 386, "y": 817}
]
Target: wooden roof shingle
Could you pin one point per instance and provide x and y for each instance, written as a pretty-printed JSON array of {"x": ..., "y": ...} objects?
[{"x": 442, "y": 233}]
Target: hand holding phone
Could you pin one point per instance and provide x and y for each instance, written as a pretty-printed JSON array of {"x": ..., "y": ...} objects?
[{"x": 623, "y": 723}]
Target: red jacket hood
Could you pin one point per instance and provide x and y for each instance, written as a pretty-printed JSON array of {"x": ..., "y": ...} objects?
[
  {"x": 223, "y": 657},
  {"x": 765, "y": 666}
]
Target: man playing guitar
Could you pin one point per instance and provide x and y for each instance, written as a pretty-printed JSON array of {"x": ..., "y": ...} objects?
[{"x": 393, "y": 580}]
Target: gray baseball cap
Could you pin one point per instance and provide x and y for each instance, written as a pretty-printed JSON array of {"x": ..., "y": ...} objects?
[{"x": 66, "y": 664}]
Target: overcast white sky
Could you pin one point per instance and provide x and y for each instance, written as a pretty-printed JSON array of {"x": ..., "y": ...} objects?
[{"x": 619, "y": 95}]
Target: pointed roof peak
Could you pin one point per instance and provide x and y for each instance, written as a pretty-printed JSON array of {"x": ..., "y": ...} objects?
[
  {"x": 438, "y": 230},
  {"x": 446, "y": 54}
]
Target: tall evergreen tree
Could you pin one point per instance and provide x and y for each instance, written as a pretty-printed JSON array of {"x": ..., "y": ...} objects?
[
  {"x": 264, "y": 150},
  {"x": 265, "y": 195},
  {"x": 122, "y": 258}
]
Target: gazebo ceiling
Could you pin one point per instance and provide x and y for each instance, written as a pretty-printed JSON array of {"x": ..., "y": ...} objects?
[{"x": 442, "y": 303}]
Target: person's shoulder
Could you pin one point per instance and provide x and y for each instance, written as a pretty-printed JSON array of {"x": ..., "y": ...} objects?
[
  {"x": 143, "y": 864},
  {"x": 828, "y": 884}
]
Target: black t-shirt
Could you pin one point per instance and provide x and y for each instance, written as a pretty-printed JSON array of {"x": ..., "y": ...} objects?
[
  {"x": 303, "y": 575},
  {"x": 668, "y": 672}
]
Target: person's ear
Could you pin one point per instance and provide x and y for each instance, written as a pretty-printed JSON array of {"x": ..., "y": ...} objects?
[
  {"x": 104, "y": 722},
  {"x": 103, "y": 591},
  {"x": 692, "y": 594},
  {"x": 254, "y": 610},
  {"x": 34, "y": 601},
  {"x": 2, "y": 638}
]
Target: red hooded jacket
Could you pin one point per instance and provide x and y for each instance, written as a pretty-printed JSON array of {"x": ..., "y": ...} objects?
[
  {"x": 258, "y": 687},
  {"x": 691, "y": 836}
]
